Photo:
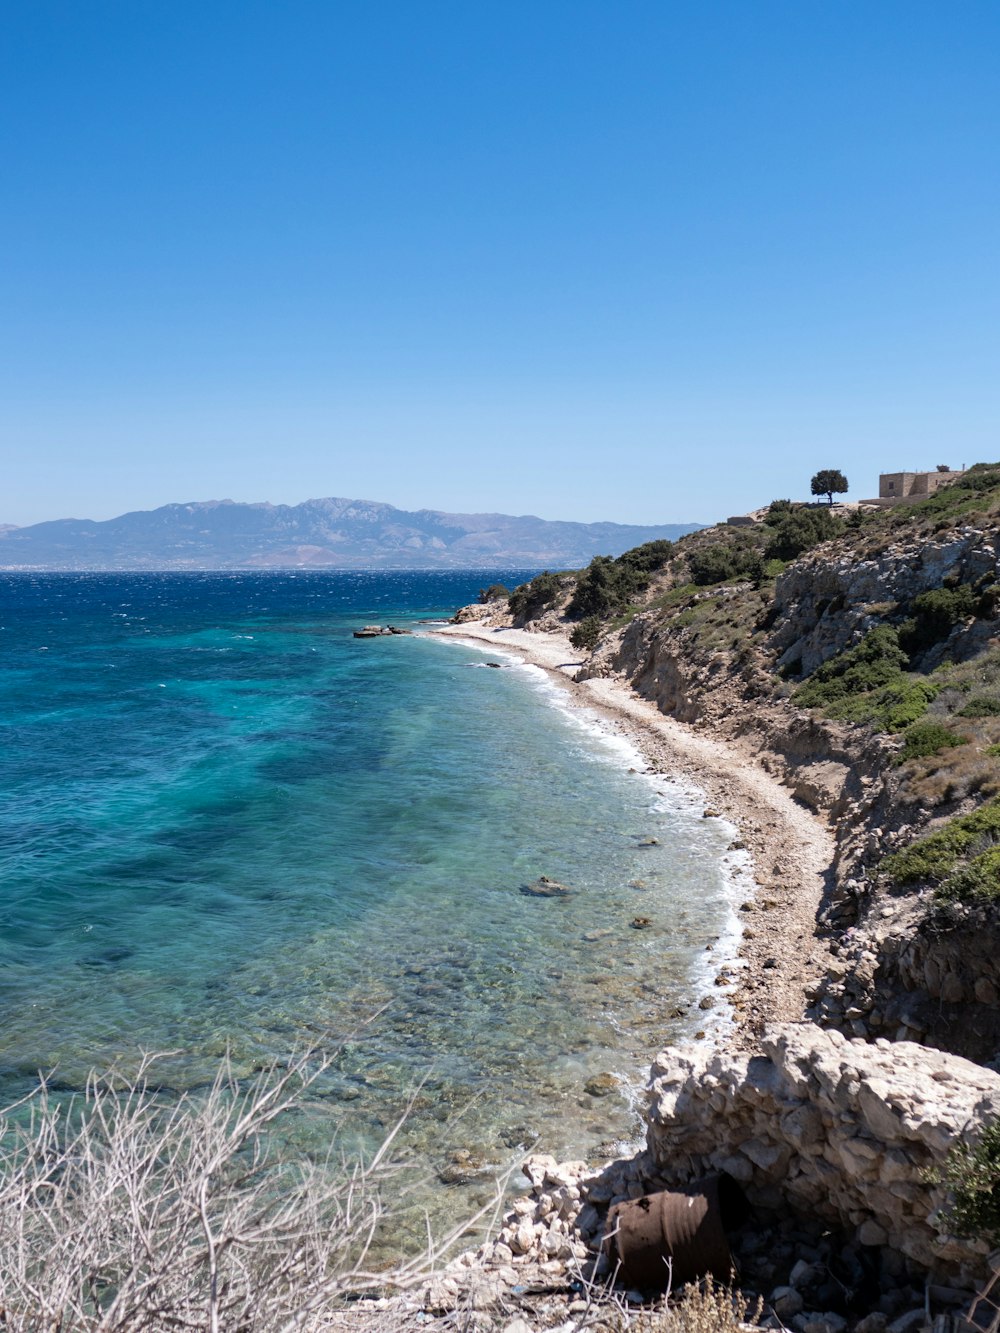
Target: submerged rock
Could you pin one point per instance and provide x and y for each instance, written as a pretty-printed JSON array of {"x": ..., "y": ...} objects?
[
  {"x": 599, "y": 1085},
  {"x": 462, "y": 1167},
  {"x": 543, "y": 887}
]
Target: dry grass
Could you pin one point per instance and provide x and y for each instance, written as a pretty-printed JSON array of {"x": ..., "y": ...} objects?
[
  {"x": 954, "y": 775},
  {"x": 706, "y": 1307}
]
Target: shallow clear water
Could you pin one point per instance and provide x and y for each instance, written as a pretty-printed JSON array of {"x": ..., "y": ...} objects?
[{"x": 226, "y": 823}]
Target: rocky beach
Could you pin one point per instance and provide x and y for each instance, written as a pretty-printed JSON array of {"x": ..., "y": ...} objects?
[{"x": 792, "y": 848}]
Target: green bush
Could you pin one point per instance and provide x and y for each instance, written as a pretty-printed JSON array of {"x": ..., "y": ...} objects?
[
  {"x": 494, "y": 591},
  {"x": 529, "y": 599},
  {"x": 649, "y": 557},
  {"x": 925, "y": 738},
  {"x": 888, "y": 709},
  {"x": 981, "y": 705},
  {"x": 586, "y": 634},
  {"x": 935, "y": 614},
  {"x": 725, "y": 562},
  {"x": 799, "y": 530},
  {"x": 957, "y": 498},
  {"x": 713, "y": 564},
  {"x": 608, "y": 584},
  {"x": 897, "y": 706},
  {"x": 980, "y": 477},
  {"x": 875, "y": 662},
  {"x": 978, "y": 881},
  {"x": 933, "y": 858},
  {"x": 972, "y": 1175},
  {"x": 600, "y": 589},
  {"x": 867, "y": 683}
]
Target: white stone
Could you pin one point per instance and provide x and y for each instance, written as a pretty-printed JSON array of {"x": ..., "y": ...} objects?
[
  {"x": 523, "y": 1238},
  {"x": 802, "y": 1274},
  {"x": 441, "y": 1293}
]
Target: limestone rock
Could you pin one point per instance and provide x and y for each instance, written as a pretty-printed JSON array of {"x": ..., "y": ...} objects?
[{"x": 836, "y": 1128}]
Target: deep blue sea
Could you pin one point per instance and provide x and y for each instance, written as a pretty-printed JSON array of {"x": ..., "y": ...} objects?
[{"x": 225, "y": 823}]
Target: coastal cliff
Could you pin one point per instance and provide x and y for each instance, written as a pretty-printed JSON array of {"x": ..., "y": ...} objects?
[
  {"x": 864, "y": 674},
  {"x": 855, "y": 658}
]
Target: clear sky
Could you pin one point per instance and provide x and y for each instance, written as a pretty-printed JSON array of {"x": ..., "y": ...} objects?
[{"x": 643, "y": 261}]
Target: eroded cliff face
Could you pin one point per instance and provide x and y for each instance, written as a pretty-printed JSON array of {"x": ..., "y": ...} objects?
[
  {"x": 916, "y": 971},
  {"x": 827, "y": 602}
]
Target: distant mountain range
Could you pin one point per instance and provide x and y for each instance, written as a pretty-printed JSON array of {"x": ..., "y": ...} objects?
[{"x": 318, "y": 534}]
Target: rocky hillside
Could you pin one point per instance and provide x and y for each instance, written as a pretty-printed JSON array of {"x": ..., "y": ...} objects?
[{"x": 860, "y": 653}]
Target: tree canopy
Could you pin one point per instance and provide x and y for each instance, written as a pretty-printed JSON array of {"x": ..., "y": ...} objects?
[{"x": 827, "y": 481}]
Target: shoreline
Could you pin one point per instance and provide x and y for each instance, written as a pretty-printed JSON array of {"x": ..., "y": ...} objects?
[{"x": 791, "y": 849}]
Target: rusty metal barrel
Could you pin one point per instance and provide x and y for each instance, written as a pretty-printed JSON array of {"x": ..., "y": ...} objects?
[{"x": 676, "y": 1236}]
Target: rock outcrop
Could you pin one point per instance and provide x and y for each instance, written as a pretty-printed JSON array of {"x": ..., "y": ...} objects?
[
  {"x": 932, "y": 976},
  {"x": 824, "y": 604},
  {"x": 837, "y": 1128}
]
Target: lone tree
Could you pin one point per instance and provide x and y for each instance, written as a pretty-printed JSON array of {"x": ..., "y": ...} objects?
[{"x": 828, "y": 481}]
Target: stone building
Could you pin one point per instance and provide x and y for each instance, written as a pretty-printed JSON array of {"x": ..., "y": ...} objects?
[{"x": 910, "y": 487}]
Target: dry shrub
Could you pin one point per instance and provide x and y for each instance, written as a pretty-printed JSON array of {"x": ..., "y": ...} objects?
[
  {"x": 705, "y": 1307},
  {"x": 954, "y": 775},
  {"x": 122, "y": 1211}
]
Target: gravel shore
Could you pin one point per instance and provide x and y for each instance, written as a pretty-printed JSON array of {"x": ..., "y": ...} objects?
[{"x": 792, "y": 849}]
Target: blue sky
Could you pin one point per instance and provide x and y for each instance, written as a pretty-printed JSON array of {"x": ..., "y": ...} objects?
[{"x": 648, "y": 262}]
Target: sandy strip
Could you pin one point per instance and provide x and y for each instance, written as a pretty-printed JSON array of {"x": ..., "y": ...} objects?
[{"x": 792, "y": 849}]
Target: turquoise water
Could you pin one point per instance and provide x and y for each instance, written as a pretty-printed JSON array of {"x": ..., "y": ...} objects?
[{"x": 227, "y": 824}]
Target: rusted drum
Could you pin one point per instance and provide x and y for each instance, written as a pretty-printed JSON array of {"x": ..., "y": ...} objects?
[{"x": 676, "y": 1236}]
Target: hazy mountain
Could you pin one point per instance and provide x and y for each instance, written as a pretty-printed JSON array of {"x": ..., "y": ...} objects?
[{"x": 332, "y": 533}]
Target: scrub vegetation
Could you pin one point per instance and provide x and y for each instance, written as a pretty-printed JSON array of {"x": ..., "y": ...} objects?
[
  {"x": 613, "y": 587},
  {"x": 962, "y": 859},
  {"x": 972, "y": 1175},
  {"x": 713, "y": 592}
]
